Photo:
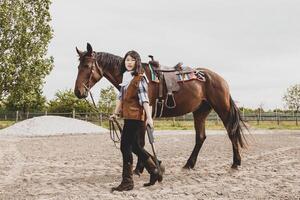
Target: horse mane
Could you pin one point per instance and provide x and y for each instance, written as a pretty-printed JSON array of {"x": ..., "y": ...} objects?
[{"x": 109, "y": 60}]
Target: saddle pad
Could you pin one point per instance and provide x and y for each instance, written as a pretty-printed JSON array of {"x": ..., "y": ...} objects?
[
  {"x": 152, "y": 73},
  {"x": 200, "y": 75},
  {"x": 186, "y": 76}
]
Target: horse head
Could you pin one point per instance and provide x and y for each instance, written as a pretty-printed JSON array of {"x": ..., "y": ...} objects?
[{"x": 89, "y": 72}]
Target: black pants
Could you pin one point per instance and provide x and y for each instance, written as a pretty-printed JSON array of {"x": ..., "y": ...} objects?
[{"x": 130, "y": 141}]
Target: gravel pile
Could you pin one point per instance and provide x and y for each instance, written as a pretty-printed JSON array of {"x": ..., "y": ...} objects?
[{"x": 51, "y": 125}]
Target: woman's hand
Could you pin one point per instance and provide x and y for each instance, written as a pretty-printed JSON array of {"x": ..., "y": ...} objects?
[
  {"x": 113, "y": 116},
  {"x": 117, "y": 110},
  {"x": 150, "y": 122}
]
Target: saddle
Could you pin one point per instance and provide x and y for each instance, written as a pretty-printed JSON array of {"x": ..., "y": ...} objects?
[
  {"x": 168, "y": 78},
  {"x": 162, "y": 68}
]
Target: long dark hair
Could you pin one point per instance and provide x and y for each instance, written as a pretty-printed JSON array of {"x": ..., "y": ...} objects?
[{"x": 138, "y": 63}]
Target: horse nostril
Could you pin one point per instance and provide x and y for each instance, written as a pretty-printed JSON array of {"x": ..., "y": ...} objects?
[{"x": 78, "y": 93}]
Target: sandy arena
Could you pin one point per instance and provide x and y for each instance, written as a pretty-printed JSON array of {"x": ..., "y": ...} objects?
[{"x": 87, "y": 166}]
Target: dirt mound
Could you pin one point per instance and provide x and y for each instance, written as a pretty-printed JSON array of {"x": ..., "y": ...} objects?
[{"x": 51, "y": 125}]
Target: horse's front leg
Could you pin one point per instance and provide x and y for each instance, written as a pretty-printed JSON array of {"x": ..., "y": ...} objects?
[{"x": 199, "y": 121}]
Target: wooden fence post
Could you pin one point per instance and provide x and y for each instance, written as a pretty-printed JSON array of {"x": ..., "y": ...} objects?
[
  {"x": 296, "y": 118},
  {"x": 73, "y": 113},
  {"x": 277, "y": 117},
  {"x": 17, "y": 116},
  {"x": 100, "y": 117}
]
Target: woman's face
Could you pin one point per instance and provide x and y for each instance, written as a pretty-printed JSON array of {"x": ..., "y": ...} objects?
[{"x": 129, "y": 63}]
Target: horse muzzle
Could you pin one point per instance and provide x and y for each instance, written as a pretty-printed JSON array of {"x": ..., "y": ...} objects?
[{"x": 81, "y": 94}]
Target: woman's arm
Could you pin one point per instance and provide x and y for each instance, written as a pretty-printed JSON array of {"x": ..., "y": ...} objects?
[
  {"x": 118, "y": 104},
  {"x": 148, "y": 111},
  {"x": 118, "y": 107},
  {"x": 144, "y": 100}
]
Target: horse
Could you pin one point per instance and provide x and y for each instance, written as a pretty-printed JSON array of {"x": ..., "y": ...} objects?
[{"x": 203, "y": 97}]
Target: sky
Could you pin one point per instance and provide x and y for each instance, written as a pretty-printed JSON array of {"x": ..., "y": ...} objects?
[{"x": 253, "y": 44}]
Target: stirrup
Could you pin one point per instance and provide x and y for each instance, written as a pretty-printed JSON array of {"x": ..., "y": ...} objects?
[{"x": 172, "y": 100}]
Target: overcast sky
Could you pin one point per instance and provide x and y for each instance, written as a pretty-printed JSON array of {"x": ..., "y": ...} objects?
[{"x": 253, "y": 44}]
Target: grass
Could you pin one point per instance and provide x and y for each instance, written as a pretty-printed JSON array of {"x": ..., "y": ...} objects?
[
  {"x": 210, "y": 125},
  {"x": 270, "y": 125},
  {"x": 213, "y": 125},
  {"x": 4, "y": 124}
]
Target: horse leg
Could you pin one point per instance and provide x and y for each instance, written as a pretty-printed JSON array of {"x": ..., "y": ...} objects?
[
  {"x": 236, "y": 154},
  {"x": 230, "y": 116},
  {"x": 199, "y": 122}
]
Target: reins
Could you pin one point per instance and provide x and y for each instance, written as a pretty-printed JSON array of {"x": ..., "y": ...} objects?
[
  {"x": 114, "y": 135},
  {"x": 115, "y": 129},
  {"x": 113, "y": 122}
]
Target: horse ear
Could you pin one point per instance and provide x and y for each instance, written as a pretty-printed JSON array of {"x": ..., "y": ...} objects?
[
  {"x": 89, "y": 49},
  {"x": 80, "y": 53}
]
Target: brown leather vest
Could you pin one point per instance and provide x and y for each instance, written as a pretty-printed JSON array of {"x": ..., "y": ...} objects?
[{"x": 131, "y": 109}]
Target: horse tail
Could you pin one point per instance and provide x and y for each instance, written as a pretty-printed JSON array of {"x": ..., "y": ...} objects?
[{"x": 236, "y": 124}]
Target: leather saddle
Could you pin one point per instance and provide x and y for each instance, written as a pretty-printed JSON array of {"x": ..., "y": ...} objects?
[
  {"x": 162, "y": 68},
  {"x": 167, "y": 78}
]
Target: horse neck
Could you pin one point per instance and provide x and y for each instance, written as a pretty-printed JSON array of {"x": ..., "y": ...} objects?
[{"x": 112, "y": 74}]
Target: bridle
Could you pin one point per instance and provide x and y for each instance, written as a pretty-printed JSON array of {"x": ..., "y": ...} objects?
[{"x": 95, "y": 65}]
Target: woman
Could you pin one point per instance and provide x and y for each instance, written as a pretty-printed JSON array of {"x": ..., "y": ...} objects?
[{"x": 133, "y": 106}]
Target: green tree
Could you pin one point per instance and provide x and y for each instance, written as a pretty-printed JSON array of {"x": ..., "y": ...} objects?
[
  {"x": 66, "y": 101},
  {"x": 107, "y": 100},
  {"x": 32, "y": 101},
  {"x": 292, "y": 99},
  {"x": 24, "y": 38},
  {"x": 246, "y": 110}
]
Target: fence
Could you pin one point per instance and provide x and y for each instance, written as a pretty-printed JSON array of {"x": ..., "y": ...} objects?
[{"x": 260, "y": 117}]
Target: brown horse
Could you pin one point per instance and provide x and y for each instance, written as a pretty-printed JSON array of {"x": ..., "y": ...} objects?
[{"x": 194, "y": 96}]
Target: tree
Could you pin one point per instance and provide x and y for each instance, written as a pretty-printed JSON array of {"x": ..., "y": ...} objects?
[
  {"x": 32, "y": 101},
  {"x": 66, "y": 101},
  {"x": 24, "y": 37},
  {"x": 292, "y": 99},
  {"x": 107, "y": 100}
]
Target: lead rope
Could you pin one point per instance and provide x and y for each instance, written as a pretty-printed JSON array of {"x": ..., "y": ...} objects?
[{"x": 114, "y": 134}]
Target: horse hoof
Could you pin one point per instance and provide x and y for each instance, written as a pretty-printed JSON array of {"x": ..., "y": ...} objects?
[
  {"x": 187, "y": 167},
  {"x": 234, "y": 166}
]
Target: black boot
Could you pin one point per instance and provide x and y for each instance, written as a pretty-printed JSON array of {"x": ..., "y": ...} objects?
[
  {"x": 127, "y": 181},
  {"x": 161, "y": 167},
  {"x": 155, "y": 174}
]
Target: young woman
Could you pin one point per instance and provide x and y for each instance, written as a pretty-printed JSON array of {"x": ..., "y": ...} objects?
[{"x": 133, "y": 106}]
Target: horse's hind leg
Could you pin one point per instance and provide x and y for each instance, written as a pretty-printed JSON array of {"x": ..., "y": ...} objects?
[
  {"x": 229, "y": 114},
  {"x": 234, "y": 141},
  {"x": 199, "y": 121}
]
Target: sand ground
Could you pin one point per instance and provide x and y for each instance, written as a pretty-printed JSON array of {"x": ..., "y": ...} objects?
[{"x": 87, "y": 166}]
